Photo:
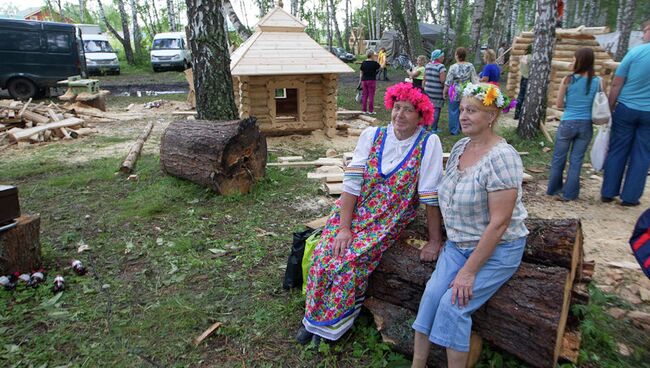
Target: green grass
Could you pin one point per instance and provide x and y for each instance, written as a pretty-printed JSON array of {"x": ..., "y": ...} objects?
[{"x": 168, "y": 258}]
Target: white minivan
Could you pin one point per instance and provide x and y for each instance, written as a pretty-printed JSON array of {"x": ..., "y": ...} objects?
[
  {"x": 170, "y": 51},
  {"x": 100, "y": 56}
]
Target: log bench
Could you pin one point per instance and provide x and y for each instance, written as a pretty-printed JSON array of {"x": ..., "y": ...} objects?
[{"x": 527, "y": 317}]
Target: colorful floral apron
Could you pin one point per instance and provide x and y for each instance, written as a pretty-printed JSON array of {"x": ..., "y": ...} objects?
[{"x": 385, "y": 205}]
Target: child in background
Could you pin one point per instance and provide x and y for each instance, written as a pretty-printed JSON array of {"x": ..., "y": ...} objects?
[{"x": 417, "y": 73}]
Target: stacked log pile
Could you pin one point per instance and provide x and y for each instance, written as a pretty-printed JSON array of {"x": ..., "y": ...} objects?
[
  {"x": 567, "y": 42},
  {"x": 528, "y": 317},
  {"x": 41, "y": 122},
  {"x": 352, "y": 122}
]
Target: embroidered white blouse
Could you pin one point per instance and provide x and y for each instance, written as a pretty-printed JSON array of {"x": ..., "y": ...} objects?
[{"x": 394, "y": 153}]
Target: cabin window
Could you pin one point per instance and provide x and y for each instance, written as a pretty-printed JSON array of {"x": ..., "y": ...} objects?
[{"x": 286, "y": 104}]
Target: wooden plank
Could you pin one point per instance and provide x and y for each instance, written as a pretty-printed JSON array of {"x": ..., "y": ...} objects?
[
  {"x": 333, "y": 188},
  {"x": 24, "y": 134},
  {"x": 184, "y": 113},
  {"x": 290, "y": 158},
  {"x": 326, "y": 177}
]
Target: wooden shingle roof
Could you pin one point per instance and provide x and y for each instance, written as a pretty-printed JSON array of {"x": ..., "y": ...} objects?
[{"x": 280, "y": 46}]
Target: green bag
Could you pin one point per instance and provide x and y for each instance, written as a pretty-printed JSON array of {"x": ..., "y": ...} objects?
[{"x": 310, "y": 245}]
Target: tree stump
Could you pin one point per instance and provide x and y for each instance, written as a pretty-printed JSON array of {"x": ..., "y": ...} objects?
[
  {"x": 225, "y": 156},
  {"x": 526, "y": 317},
  {"x": 20, "y": 246}
]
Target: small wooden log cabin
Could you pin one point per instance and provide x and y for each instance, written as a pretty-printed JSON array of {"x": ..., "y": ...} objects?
[
  {"x": 286, "y": 79},
  {"x": 567, "y": 42}
]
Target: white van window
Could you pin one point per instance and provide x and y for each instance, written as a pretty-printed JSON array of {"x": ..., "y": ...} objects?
[
  {"x": 167, "y": 43},
  {"x": 97, "y": 46}
]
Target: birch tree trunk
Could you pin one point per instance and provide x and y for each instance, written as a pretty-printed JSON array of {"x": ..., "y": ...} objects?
[
  {"x": 242, "y": 31},
  {"x": 619, "y": 15},
  {"x": 587, "y": 12},
  {"x": 459, "y": 24},
  {"x": 495, "y": 33},
  {"x": 446, "y": 24},
  {"x": 475, "y": 33},
  {"x": 82, "y": 8},
  {"x": 378, "y": 11},
  {"x": 576, "y": 17},
  {"x": 533, "y": 112},
  {"x": 294, "y": 7},
  {"x": 126, "y": 40},
  {"x": 137, "y": 35},
  {"x": 626, "y": 27},
  {"x": 210, "y": 61},
  {"x": 170, "y": 15},
  {"x": 415, "y": 38},
  {"x": 337, "y": 31},
  {"x": 514, "y": 21},
  {"x": 347, "y": 26},
  {"x": 399, "y": 22},
  {"x": 429, "y": 9},
  {"x": 328, "y": 27}
]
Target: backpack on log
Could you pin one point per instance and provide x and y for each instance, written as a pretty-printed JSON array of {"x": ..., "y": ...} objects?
[
  {"x": 225, "y": 156},
  {"x": 527, "y": 317}
]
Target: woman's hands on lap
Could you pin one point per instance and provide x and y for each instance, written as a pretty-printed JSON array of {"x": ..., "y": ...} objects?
[
  {"x": 342, "y": 240},
  {"x": 461, "y": 287}
]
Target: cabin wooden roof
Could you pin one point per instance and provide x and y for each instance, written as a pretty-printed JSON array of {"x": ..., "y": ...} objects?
[{"x": 280, "y": 46}]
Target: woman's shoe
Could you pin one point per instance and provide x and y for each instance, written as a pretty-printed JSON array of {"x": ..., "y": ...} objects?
[
  {"x": 606, "y": 199},
  {"x": 628, "y": 204},
  {"x": 303, "y": 336}
]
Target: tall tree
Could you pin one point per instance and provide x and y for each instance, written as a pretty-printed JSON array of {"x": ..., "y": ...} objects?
[
  {"x": 82, "y": 11},
  {"x": 514, "y": 22},
  {"x": 475, "y": 33},
  {"x": 414, "y": 36},
  {"x": 137, "y": 35},
  {"x": 328, "y": 25},
  {"x": 399, "y": 21},
  {"x": 446, "y": 25},
  {"x": 626, "y": 27},
  {"x": 294, "y": 7},
  {"x": 171, "y": 17},
  {"x": 347, "y": 26},
  {"x": 494, "y": 38},
  {"x": 619, "y": 15},
  {"x": 534, "y": 108},
  {"x": 565, "y": 15},
  {"x": 124, "y": 40},
  {"x": 588, "y": 12},
  {"x": 210, "y": 60},
  {"x": 337, "y": 31},
  {"x": 242, "y": 31}
]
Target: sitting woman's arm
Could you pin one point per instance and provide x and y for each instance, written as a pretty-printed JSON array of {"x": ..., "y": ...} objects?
[
  {"x": 344, "y": 237},
  {"x": 500, "y": 205}
]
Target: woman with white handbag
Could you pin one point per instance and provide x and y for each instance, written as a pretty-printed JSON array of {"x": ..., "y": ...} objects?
[{"x": 576, "y": 96}]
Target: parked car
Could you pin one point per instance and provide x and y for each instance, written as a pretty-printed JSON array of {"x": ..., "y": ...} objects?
[
  {"x": 170, "y": 51},
  {"x": 342, "y": 54},
  {"x": 36, "y": 55},
  {"x": 100, "y": 56}
]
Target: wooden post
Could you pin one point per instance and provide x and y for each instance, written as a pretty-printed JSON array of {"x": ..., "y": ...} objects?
[
  {"x": 329, "y": 104},
  {"x": 20, "y": 247}
]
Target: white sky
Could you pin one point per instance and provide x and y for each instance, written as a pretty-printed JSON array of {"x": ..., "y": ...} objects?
[{"x": 251, "y": 10}]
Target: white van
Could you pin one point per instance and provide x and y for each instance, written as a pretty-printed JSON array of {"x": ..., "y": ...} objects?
[
  {"x": 100, "y": 56},
  {"x": 170, "y": 51}
]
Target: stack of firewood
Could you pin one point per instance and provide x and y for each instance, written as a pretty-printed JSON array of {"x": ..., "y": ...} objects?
[
  {"x": 328, "y": 170},
  {"x": 353, "y": 122},
  {"x": 41, "y": 122}
]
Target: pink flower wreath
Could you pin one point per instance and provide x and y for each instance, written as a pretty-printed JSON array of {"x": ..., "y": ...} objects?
[{"x": 406, "y": 92}]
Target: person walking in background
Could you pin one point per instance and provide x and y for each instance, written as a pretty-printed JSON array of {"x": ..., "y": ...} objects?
[
  {"x": 576, "y": 96},
  {"x": 368, "y": 81},
  {"x": 458, "y": 74},
  {"x": 491, "y": 72},
  {"x": 629, "y": 141},
  {"x": 501, "y": 55},
  {"x": 524, "y": 69},
  {"x": 381, "y": 59},
  {"x": 435, "y": 74},
  {"x": 417, "y": 73}
]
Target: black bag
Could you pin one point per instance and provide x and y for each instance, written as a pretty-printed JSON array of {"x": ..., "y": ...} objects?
[{"x": 293, "y": 273}]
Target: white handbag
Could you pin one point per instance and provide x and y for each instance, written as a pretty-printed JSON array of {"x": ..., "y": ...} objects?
[
  {"x": 599, "y": 148},
  {"x": 600, "y": 113}
]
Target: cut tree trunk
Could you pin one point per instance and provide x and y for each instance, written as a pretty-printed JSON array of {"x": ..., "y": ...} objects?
[
  {"x": 225, "y": 156},
  {"x": 528, "y": 314},
  {"x": 20, "y": 246},
  {"x": 134, "y": 152}
]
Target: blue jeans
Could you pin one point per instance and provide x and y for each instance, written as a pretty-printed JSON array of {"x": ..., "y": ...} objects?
[
  {"x": 447, "y": 324},
  {"x": 629, "y": 143},
  {"x": 454, "y": 117},
  {"x": 576, "y": 136},
  {"x": 436, "y": 118}
]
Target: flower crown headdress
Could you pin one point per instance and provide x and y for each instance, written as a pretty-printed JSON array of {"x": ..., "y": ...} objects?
[
  {"x": 488, "y": 95},
  {"x": 406, "y": 92}
]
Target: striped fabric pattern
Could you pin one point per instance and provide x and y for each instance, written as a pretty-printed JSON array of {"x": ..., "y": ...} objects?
[
  {"x": 429, "y": 198},
  {"x": 433, "y": 88}
]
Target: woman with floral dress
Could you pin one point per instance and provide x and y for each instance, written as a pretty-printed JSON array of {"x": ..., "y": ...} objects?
[{"x": 393, "y": 170}]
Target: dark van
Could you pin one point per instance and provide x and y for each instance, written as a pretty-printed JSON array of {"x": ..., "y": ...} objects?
[{"x": 34, "y": 56}]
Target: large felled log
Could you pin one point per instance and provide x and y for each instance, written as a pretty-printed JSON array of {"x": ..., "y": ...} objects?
[
  {"x": 134, "y": 152},
  {"x": 226, "y": 156},
  {"x": 528, "y": 314},
  {"x": 20, "y": 246}
]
